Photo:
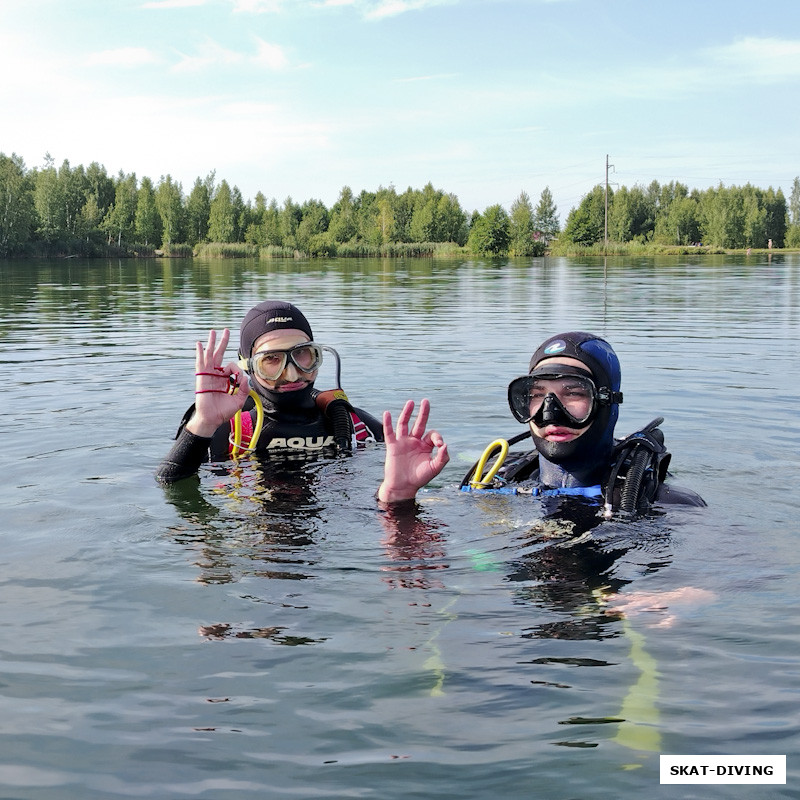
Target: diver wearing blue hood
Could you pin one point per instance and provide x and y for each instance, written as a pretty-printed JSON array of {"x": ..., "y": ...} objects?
[
  {"x": 570, "y": 398},
  {"x": 570, "y": 401}
]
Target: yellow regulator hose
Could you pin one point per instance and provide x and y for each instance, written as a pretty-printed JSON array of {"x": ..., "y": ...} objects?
[
  {"x": 238, "y": 450},
  {"x": 481, "y": 481}
]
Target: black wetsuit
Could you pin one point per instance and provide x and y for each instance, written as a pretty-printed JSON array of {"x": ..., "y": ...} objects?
[{"x": 290, "y": 433}]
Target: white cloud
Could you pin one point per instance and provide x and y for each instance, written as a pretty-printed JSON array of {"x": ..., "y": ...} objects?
[
  {"x": 369, "y": 9},
  {"x": 38, "y": 83},
  {"x": 440, "y": 77},
  {"x": 379, "y": 9},
  {"x": 211, "y": 54},
  {"x": 743, "y": 63},
  {"x": 123, "y": 57},
  {"x": 257, "y": 6},
  {"x": 270, "y": 55},
  {"x": 173, "y": 3},
  {"x": 767, "y": 59}
]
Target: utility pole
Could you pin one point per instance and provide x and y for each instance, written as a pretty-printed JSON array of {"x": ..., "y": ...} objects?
[{"x": 605, "y": 233}]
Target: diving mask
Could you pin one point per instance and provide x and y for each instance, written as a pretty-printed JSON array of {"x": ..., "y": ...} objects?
[
  {"x": 558, "y": 394},
  {"x": 269, "y": 364}
]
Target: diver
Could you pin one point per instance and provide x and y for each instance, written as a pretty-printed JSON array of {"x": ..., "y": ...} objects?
[
  {"x": 570, "y": 401},
  {"x": 276, "y": 412}
]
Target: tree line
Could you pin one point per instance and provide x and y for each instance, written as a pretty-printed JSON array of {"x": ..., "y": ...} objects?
[
  {"x": 81, "y": 210},
  {"x": 733, "y": 217},
  {"x": 63, "y": 210}
]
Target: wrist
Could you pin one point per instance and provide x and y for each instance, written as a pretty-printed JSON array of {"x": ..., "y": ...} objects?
[
  {"x": 201, "y": 427},
  {"x": 388, "y": 494}
]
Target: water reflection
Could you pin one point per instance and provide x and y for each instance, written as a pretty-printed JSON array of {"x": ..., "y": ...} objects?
[
  {"x": 479, "y": 640},
  {"x": 254, "y": 520},
  {"x": 415, "y": 547}
]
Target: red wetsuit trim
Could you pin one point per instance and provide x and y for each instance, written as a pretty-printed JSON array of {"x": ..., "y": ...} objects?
[
  {"x": 247, "y": 430},
  {"x": 362, "y": 432}
]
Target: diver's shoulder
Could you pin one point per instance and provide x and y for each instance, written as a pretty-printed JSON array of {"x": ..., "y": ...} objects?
[
  {"x": 669, "y": 493},
  {"x": 373, "y": 424}
]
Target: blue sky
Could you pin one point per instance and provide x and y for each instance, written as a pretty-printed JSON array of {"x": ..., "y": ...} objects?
[{"x": 483, "y": 98}]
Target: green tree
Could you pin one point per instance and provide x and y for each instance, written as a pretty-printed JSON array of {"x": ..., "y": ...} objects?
[
  {"x": 49, "y": 201},
  {"x": 586, "y": 224},
  {"x": 754, "y": 233},
  {"x": 668, "y": 194},
  {"x": 241, "y": 215},
  {"x": 253, "y": 233},
  {"x": 313, "y": 224},
  {"x": 631, "y": 214},
  {"x": 343, "y": 226},
  {"x": 169, "y": 202},
  {"x": 794, "y": 202},
  {"x": 451, "y": 221},
  {"x": 792, "y": 238},
  {"x": 365, "y": 209},
  {"x": 90, "y": 220},
  {"x": 522, "y": 228},
  {"x": 545, "y": 218},
  {"x": 676, "y": 215},
  {"x": 679, "y": 223},
  {"x": 722, "y": 216},
  {"x": 386, "y": 202},
  {"x": 272, "y": 224},
  {"x": 423, "y": 218},
  {"x": 221, "y": 220},
  {"x": 289, "y": 221},
  {"x": 119, "y": 221},
  {"x": 147, "y": 221},
  {"x": 99, "y": 186},
  {"x": 776, "y": 216},
  {"x": 403, "y": 208},
  {"x": 437, "y": 217},
  {"x": 73, "y": 188},
  {"x": 198, "y": 209},
  {"x": 620, "y": 216},
  {"x": 490, "y": 232},
  {"x": 17, "y": 212}
]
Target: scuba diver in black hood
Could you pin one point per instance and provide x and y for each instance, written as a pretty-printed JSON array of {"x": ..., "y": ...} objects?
[
  {"x": 277, "y": 412},
  {"x": 570, "y": 401}
]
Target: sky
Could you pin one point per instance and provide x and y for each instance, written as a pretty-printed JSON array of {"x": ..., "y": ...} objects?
[{"x": 482, "y": 98}]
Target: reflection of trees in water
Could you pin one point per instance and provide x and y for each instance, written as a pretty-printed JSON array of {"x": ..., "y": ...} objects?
[
  {"x": 571, "y": 569},
  {"x": 562, "y": 570},
  {"x": 575, "y": 561},
  {"x": 225, "y": 630},
  {"x": 255, "y": 519},
  {"x": 567, "y": 562}
]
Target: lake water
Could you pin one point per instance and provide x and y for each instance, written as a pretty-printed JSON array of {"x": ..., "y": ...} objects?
[{"x": 241, "y": 638}]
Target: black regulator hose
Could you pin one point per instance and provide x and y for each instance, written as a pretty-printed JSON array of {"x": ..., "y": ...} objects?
[
  {"x": 647, "y": 454},
  {"x": 333, "y": 403},
  {"x": 631, "y": 493},
  {"x": 339, "y": 412}
]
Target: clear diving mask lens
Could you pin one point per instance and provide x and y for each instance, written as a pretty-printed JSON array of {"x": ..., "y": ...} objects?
[
  {"x": 269, "y": 364},
  {"x": 558, "y": 395}
]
